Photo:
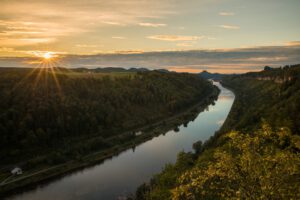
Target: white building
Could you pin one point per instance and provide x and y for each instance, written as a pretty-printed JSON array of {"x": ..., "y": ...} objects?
[{"x": 16, "y": 171}]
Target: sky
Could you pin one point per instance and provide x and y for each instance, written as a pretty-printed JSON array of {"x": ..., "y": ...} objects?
[{"x": 182, "y": 35}]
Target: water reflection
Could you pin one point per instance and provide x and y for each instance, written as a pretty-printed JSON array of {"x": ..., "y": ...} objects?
[{"x": 121, "y": 175}]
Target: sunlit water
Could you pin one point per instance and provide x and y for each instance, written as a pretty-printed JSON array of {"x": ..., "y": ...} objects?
[{"x": 121, "y": 175}]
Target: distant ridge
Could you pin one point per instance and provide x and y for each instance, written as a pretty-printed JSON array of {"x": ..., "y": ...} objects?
[
  {"x": 215, "y": 76},
  {"x": 116, "y": 69}
]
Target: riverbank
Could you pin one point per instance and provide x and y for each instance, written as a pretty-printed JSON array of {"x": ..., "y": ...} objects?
[
  {"x": 30, "y": 180},
  {"x": 222, "y": 168}
]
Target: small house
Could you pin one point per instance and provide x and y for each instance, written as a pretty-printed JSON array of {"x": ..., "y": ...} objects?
[
  {"x": 138, "y": 133},
  {"x": 16, "y": 171}
]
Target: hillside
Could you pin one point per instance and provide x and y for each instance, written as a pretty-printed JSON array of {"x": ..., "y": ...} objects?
[
  {"x": 53, "y": 115},
  {"x": 43, "y": 109},
  {"x": 273, "y": 94},
  {"x": 256, "y": 154}
]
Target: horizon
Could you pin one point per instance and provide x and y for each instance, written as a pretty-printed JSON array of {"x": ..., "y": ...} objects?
[
  {"x": 227, "y": 36},
  {"x": 196, "y": 71},
  {"x": 149, "y": 99}
]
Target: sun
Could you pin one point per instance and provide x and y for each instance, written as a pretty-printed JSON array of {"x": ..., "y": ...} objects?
[{"x": 47, "y": 55}]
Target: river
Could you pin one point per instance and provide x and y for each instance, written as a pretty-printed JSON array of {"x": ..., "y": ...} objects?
[{"x": 117, "y": 177}]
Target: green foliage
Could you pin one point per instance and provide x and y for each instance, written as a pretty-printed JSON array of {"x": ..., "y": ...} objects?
[
  {"x": 246, "y": 159},
  {"x": 161, "y": 183},
  {"x": 47, "y": 110},
  {"x": 260, "y": 165},
  {"x": 272, "y": 94},
  {"x": 198, "y": 147}
]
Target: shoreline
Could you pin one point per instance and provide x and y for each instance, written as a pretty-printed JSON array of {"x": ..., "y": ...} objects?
[{"x": 47, "y": 175}]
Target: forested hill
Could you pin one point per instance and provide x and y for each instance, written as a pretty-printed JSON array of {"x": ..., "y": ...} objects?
[
  {"x": 256, "y": 154},
  {"x": 272, "y": 94},
  {"x": 43, "y": 110}
]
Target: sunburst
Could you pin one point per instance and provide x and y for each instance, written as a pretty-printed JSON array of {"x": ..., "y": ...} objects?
[
  {"x": 48, "y": 55},
  {"x": 48, "y": 65}
]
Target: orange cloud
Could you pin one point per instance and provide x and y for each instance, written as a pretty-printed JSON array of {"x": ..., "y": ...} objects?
[
  {"x": 152, "y": 25},
  {"x": 175, "y": 37},
  {"x": 14, "y": 42},
  {"x": 118, "y": 37},
  {"x": 293, "y": 43}
]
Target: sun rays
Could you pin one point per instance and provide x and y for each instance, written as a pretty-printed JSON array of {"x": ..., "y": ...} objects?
[{"x": 47, "y": 66}]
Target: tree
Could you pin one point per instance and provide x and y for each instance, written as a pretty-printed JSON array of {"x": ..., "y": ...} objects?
[
  {"x": 259, "y": 166},
  {"x": 197, "y": 146}
]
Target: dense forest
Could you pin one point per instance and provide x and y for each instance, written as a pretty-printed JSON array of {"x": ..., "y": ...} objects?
[
  {"x": 48, "y": 111},
  {"x": 273, "y": 94},
  {"x": 255, "y": 155}
]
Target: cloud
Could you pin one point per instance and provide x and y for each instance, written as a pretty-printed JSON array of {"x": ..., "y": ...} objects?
[
  {"x": 62, "y": 19},
  {"x": 184, "y": 44},
  {"x": 293, "y": 43},
  {"x": 129, "y": 52},
  {"x": 151, "y": 24},
  {"x": 226, "y": 13},
  {"x": 9, "y": 52},
  {"x": 24, "y": 41},
  {"x": 212, "y": 38},
  {"x": 26, "y": 33},
  {"x": 237, "y": 60},
  {"x": 41, "y": 53},
  {"x": 174, "y": 37},
  {"x": 114, "y": 23},
  {"x": 229, "y": 27},
  {"x": 86, "y": 45},
  {"x": 5, "y": 49},
  {"x": 118, "y": 37}
]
